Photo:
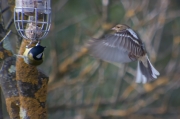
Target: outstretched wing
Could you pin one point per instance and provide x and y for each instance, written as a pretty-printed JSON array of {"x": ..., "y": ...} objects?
[{"x": 119, "y": 47}]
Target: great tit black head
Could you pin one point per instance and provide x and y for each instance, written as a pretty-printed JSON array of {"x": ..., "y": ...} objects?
[{"x": 34, "y": 55}]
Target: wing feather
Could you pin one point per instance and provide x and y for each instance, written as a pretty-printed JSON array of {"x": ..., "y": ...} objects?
[
  {"x": 107, "y": 53},
  {"x": 117, "y": 47}
]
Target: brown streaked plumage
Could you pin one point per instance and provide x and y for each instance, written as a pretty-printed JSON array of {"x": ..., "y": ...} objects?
[
  {"x": 120, "y": 27},
  {"x": 121, "y": 47}
]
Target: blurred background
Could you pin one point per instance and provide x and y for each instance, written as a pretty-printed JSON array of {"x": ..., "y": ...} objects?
[{"x": 82, "y": 87}]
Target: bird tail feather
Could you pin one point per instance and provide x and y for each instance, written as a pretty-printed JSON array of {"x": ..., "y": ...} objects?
[{"x": 146, "y": 73}]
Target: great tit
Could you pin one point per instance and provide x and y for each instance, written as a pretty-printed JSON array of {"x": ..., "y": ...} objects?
[{"x": 34, "y": 55}]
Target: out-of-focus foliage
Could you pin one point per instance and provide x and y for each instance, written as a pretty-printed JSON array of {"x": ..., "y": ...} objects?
[
  {"x": 82, "y": 87},
  {"x": 91, "y": 89}
]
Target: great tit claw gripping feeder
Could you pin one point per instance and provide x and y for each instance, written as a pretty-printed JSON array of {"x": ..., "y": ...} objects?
[{"x": 32, "y": 18}]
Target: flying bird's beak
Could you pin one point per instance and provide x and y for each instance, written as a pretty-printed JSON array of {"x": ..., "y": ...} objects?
[{"x": 113, "y": 28}]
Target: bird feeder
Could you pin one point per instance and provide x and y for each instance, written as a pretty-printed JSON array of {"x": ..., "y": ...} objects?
[{"x": 32, "y": 18}]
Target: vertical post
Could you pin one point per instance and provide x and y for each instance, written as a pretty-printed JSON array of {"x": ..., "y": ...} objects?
[{"x": 32, "y": 86}]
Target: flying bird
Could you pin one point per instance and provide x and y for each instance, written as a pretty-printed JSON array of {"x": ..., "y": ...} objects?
[{"x": 122, "y": 47}]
